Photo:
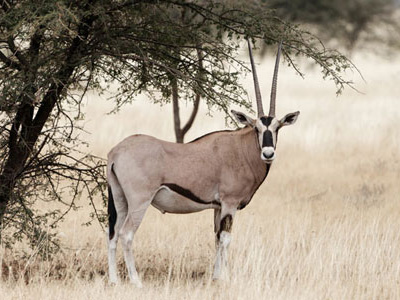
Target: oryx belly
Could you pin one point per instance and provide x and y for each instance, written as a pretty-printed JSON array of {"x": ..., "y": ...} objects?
[{"x": 172, "y": 201}]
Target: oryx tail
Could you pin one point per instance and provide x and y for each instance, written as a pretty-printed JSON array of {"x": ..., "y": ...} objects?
[{"x": 112, "y": 212}]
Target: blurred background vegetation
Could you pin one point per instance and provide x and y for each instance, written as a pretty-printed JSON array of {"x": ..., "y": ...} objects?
[{"x": 345, "y": 24}]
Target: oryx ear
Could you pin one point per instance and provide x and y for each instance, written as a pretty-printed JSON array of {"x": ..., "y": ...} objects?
[
  {"x": 289, "y": 119},
  {"x": 242, "y": 118}
]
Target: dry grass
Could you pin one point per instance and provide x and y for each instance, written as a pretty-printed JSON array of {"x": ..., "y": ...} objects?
[{"x": 325, "y": 224}]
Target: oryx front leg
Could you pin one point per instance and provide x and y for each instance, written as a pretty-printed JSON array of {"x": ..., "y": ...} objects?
[
  {"x": 223, "y": 241},
  {"x": 127, "y": 233}
]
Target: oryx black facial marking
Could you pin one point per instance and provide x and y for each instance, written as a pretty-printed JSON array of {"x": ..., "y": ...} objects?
[
  {"x": 266, "y": 120},
  {"x": 268, "y": 141},
  {"x": 188, "y": 194}
]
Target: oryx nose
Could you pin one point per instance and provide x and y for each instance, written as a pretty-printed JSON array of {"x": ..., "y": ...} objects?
[{"x": 268, "y": 154}]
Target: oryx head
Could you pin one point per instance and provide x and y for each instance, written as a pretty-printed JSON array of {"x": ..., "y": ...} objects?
[{"x": 267, "y": 127}]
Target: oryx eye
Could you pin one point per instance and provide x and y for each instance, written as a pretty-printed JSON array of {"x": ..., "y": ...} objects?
[{"x": 256, "y": 129}]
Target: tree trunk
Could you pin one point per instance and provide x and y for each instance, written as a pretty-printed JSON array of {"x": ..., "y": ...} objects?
[
  {"x": 180, "y": 132},
  {"x": 6, "y": 187},
  {"x": 18, "y": 152},
  {"x": 177, "y": 119},
  {"x": 26, "y": 129},
  {"x": 12, "y": 168}
]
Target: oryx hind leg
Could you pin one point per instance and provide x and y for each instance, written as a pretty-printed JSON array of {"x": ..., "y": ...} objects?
[
  {"x": 117, "y": 210},
  {"x": 136, "y": 211},
  {"x": 223, "y": 239}
]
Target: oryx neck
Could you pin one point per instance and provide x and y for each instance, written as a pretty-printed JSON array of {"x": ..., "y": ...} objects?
[{"x": 251, "y": 151}]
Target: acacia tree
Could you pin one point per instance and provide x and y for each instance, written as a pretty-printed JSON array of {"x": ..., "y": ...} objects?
[{"x": 51, "y": 54}]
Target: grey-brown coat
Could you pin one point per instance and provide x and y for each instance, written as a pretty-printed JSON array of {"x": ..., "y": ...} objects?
[{"x": 221, "y": 171}]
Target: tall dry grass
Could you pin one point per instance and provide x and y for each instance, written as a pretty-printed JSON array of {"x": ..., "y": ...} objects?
[{"x": 324, "y": 225}]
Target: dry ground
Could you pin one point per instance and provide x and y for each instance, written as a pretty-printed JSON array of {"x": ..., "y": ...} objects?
[{"x": 324, "y": 225}]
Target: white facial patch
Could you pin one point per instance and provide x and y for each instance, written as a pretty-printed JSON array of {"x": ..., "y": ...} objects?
[{"x": 267, "y": 153}]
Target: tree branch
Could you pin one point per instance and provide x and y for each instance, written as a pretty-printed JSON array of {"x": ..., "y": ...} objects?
[
  {"x": 9, "y": 62},
  {"x": 16, "y": 52},
  {"x": 196, "y": 103}
]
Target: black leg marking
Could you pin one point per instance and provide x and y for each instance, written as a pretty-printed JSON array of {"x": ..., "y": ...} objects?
[
  {"x": 188, "y": 194},
  {"x": 225, "y": 225}
]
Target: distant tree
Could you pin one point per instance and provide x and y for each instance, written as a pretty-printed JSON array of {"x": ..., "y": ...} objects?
[
  {"x": 180, "y": 131},
  {"x": 53, "y": 52},
  {"x": 351, "y": 22}
]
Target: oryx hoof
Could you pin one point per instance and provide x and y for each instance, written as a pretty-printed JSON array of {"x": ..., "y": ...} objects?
[
  {"x": 137, "y": 283},
  {"x": 220, "y": 276}
]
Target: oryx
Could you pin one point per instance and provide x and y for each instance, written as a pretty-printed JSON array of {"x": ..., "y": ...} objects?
[{"x": 221, "y": 170}]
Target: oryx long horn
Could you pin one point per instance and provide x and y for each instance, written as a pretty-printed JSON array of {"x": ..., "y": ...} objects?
[
  {"x": 260, "y": 110},
  {"x": 274, "y": 83}
]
